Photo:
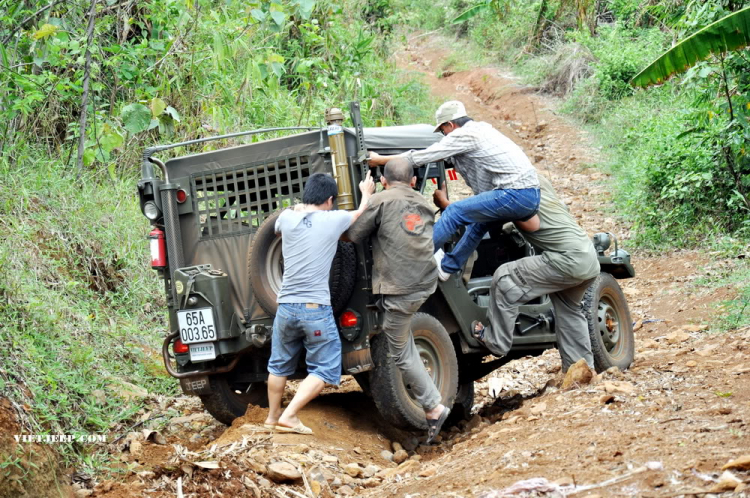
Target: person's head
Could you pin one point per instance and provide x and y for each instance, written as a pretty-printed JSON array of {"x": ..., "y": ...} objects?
[
  {"x": 320, "y": 189},
  {"x": 450, "y": 116},
  {"x": 398, "y": 170}
]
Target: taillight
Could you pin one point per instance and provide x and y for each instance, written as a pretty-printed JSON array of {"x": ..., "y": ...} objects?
[
  {"x": 181, "y": 196},
  {"x": 180, "y": 347},
  {"x": 348, "y": 319},
  {"x": 158, "y": 249}
]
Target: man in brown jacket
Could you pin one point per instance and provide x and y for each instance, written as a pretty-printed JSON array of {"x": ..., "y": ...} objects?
[{"x": 405, "y": 273}]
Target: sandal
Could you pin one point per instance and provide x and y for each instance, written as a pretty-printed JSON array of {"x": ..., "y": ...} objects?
[
  {"x": 297, "y": 429},
  {"x": 477, "y": 334},
  {"x": 434, "y": 425}
]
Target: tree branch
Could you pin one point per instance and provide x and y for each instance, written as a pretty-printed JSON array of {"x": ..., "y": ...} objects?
[{"x": 85, "y": 97}]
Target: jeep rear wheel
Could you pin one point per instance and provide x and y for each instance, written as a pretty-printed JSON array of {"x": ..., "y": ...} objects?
[
  {"x": 229, "y": 400},
  {"x": 393, "y": 398},
  {"x": 610, "y": 326},
  {"x": 265, "y": 266}
]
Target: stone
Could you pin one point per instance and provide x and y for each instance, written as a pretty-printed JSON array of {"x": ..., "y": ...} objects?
[
  {"x": 371, "y": 470},
  {"x": 397, "y": 447},
  {"x": 616, "y": 387},
  {"x": 99, "y": 395},
  {"x": 410, "y": 444},
  {"x": 330, "y": 459},
  {"x": 691, "y": 363},
  {"x": 316, "y": 488},
  {"x": 370, "y": 483},
  {"x": 281, "y": 472},
  {"x": 400, "y": 456},
  {"x": 615, "y": 372},
  {"x": 256, "y": 466},
  {"x": 353, "y": 469},
  {"x": 135, "y": 448},
  {"x": 357, "y": 450},
  {"x": 386, "y": 455},
  {"x": 127, "y": 390},
  {"x": 727, "y": 482},
  {"x": 81, "y": 493},
  {"x": 694, "y": 328},
  {"x": 539, "y": 408},
  {"x": 346, "y": 490},
  {"x": 407, "y": 466},
  {"x": 741, "y": 463},
  {"x": 578, "y": 374},
  {"x": 473, "y": 422},
  {"x": 649, "y": 344},
  {"x": 606, "y": 399},
  {"x": 264, "y": 483},
  {"x": 428, "y": 472},
  {"x": 416, "y": 457},
  {"x": 678, "y": 337}
]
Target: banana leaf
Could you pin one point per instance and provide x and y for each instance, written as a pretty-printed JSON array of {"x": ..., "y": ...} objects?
[
  {"x": 728, "y": 33},
  {"x": 470, "y": 12}
]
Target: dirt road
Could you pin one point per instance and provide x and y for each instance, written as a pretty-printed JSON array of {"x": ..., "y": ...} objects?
[{"x": 667, "y": 427}]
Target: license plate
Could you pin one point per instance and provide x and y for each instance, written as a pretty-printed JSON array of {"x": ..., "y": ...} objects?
[
  {"x": 196, "y": 325},
  {"x": 202, "y": 352}
]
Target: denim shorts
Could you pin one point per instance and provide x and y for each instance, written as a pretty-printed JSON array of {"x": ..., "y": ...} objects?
[{"x": 298, "y": 326}]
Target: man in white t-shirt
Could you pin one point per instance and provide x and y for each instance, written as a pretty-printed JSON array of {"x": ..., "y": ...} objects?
[{"x": 304, "y": 319}]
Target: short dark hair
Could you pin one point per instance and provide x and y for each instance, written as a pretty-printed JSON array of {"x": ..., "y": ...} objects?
[
  {"x": 318, "y": 188},
  {"x": 461, "y": 121},
  {"x": 398, "y": 169}
]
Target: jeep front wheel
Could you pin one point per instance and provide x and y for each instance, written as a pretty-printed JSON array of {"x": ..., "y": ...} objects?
[
  {"x": 392, "y": 396},
  {"x": 229, "y": 400},
  {"x": 610, "y": 326}
]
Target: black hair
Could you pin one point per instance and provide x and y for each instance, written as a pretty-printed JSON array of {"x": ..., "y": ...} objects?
[
  {"x": 398, "y": 169},
  {"x": 461, "y": 121},
  {"x": 318, "y": 188}
]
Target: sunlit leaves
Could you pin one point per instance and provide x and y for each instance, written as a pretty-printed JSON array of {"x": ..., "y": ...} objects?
[{"x": 45, "y": 31}]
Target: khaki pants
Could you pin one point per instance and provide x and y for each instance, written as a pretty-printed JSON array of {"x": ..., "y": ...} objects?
[
  {"x": 397, "y": 328},
  {"x": 520, "y": 281}
]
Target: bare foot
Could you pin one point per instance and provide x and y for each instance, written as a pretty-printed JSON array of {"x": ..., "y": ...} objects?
[
  {"x": 434, "y": 414},
  {"x": 288, "y": 421}
]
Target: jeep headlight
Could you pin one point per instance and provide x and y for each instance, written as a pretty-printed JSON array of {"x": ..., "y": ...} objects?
[
  {"x": 151, "y": 211},
  {"x": 602, "y": 241}
]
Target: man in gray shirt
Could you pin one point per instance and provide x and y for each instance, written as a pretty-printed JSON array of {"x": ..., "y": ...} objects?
[
  {"x": 505, "y": 184},
  {"x": 309, "y": 238}
]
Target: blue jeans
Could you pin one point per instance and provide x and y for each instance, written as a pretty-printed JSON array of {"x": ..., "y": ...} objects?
[
  {"x": 477, "y": 213},
  {"x": 298, "y": 326}
]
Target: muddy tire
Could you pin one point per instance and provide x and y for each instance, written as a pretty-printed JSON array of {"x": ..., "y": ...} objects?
[
  {"x": 265, "y": 267},
  {"x": 392, "y": 397},
  {"x": 228, "y": 401},
  {"x": 462, "y": 406},
  {"x": 610, "y": 326}
]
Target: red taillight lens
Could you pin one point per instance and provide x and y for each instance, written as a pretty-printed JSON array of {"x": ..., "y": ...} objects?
[
  {"x": 348, "y": 319},
  {"x": 179, "y": 347},
  {"x": 181, "y": 196}
]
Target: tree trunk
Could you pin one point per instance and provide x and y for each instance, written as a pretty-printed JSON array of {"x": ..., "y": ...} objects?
[{"x": 85, "y": 97}]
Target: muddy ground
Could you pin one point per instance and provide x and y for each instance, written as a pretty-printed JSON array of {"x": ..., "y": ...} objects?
[{"x": 676, "y": 424}]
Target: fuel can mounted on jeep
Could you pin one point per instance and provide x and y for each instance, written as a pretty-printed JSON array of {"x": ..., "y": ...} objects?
[{"x": 213, "y": 244}]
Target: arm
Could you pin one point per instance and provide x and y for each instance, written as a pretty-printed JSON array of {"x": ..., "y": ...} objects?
[
  {"x": 530, "y": 225},
  {"x": 367, "y": 187}
]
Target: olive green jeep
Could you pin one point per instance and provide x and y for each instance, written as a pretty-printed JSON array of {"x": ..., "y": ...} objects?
[{"x": 214, "y": 246}]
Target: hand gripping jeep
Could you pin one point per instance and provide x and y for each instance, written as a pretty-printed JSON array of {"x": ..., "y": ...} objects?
[{"x": 213, "y": 244}]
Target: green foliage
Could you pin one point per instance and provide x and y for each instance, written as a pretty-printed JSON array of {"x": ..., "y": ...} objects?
[{"x": 728, "y": 33}]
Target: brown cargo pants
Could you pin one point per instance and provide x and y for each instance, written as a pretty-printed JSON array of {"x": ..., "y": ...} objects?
[
  {"x": 397, "y": 328},
  {"x": 518, "y": 282}
]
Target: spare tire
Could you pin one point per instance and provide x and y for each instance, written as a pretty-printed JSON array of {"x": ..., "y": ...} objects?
[{"x": 265, "y": 266}]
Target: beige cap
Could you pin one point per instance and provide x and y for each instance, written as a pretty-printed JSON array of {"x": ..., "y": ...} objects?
[{"x": 453, "y": 109}]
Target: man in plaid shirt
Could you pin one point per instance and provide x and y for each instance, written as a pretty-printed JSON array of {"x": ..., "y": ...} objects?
[{"x": 504, "y": 182}]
